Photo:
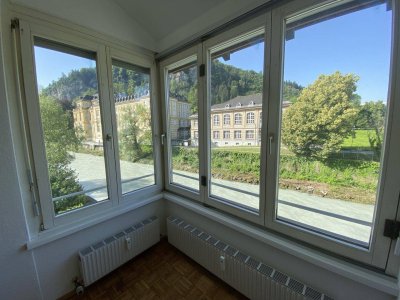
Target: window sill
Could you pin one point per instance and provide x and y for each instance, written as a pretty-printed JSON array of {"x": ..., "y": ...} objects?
[
  {"x": 59, "y": 232},
  {"x": 367, "y": 277}
]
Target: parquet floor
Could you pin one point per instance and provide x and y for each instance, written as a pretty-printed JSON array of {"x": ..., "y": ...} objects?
[{"x": 162, "y": 272}]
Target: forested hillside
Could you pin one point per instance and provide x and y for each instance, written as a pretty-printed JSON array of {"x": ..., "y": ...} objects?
[
  {"x": 84, "y": 82},
  {"x": 227, "y": 82}
]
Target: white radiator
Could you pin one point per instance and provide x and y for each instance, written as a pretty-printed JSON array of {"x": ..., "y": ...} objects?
[
  {"x": 103, "y": 257},
  {"x": 249, "y": 276}
]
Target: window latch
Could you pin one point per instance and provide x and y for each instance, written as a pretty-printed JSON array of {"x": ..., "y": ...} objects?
[
  {"x": 392, "y": 229},
  {"x": 203, "y": 180},
  {"x": 202, "y": 70}
]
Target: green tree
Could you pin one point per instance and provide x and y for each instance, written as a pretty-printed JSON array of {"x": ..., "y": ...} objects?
[
  {"x": 59, "y": 139},
  {"x": 322, "y": 117},
  {"x": 372, "y": 116},
  {"x": 135, "y": 132},
  {"x": 192, "y": 99},
  {"x": 291, "y": 91}
]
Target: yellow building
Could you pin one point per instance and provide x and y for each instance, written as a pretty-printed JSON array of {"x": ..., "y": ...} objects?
[
  {"x": 236, "y": 122},
  {"x": 179, "y": 123},
  {"x": 88, "y": 119}
]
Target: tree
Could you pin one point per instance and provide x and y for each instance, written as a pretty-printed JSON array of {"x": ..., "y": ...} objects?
[
  {"x": 322, "y": 117},
  {"x": 291, "y": 91},
  {"x": 135, "y": 132},
  {"x": 372, "y": 116},
  {"x": 59, "y": 138}
]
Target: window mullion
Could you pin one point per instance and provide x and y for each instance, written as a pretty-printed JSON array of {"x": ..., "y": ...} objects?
[
  {"x": 203, "y": 120},
  {"x": 108, "y": 134}
]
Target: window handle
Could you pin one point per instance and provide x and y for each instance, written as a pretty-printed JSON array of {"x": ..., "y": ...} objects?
[
  {"x": 271, "y": 140},
  {"x": 162, "y": 138}
]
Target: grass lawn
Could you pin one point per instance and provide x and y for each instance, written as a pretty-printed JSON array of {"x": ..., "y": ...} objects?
[{"x": 360, "y": 139}]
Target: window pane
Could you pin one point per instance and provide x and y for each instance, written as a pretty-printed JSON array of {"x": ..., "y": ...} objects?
[
  {"x": 131, "y": 86},
  {"x": 71, "y": 122},
  {"x": 236, "y": 103},
  {"x": 334, "y": 105},
  {"x": 183, "y": 126}
]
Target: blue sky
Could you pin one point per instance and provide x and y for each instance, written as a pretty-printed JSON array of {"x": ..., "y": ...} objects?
[
  {"x": 50, "y": 65},
  {"x": 356, "y": 43}
]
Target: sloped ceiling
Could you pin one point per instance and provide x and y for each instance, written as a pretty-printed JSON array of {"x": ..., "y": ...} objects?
[
  {"x": 171, "y": 22},
  {"x": 153, "y": 24}
]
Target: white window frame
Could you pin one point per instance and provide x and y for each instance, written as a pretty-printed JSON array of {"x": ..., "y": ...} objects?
[
  {"x": 250, "y": 118},
  {"x": 237, "y": 134},
  {"x": 68, "y": 37},
  {"x": 377, "y": 254},
  {"x": 176, "y": 61},
  {"x": 238, "y": 118},
  {"x": 226, "y": 39},
  {"x": 250, "y": 134},
  {"x": 227, "y": 119},
  {"x": 127, "y": 57},
  {"x": 226, "y": 134},
  {"x": 216, "y": 120}
]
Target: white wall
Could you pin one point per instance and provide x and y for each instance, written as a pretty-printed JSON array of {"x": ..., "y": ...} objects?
[
  {"x": 338, "y": 287},
  {"x": 104, "y": 16},
  {"x": 18, "y": 278}
]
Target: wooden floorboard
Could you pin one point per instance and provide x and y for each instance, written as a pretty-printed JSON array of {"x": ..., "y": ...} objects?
[{"x": 162, "y": 272}]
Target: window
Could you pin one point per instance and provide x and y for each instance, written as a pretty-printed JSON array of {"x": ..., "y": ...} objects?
[
  {"x": 227, "y": 119},
  {"x": 238, "y": 134},
  {"x": 182, "y": 89},
  {"x": 131, "y": 89},
  {"x": 74, "y": 151},
  {"x": 87, "y": 158},
  {"x": 216, "y": 120},
  {"x": 250, "y": 118},
  {"x": 326, "y": 180},
  {"x": 238, "y": 119},
  {"x": 231, "y": 184},
  {"x": 318, "y": 164},
  {"x": 249, "y": 134}
]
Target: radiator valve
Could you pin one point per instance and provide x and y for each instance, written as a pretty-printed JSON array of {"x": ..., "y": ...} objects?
[
  {"x": 79, "y": 288},
  {"x": 222, "y": 263}
]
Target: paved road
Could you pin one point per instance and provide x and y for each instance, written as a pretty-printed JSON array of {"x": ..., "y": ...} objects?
[{"x": 345, "y": 219}]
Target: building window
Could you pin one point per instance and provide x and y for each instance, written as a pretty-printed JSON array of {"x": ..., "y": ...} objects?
[
  {"x": 227, "y": 134},
  {"x": 249, "y": 134},
  {"x": 250, "y": 118},
  {"x": 195, "y": 123},
  {"x": 227, "y": 119},
  {"x": 215, "y": 135},
  {"x": 196, "y": 134},
  {"x": 216, "y": 120},
  {"x": 238, "y": 119},
  {"x": 238, "y": 134}
]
